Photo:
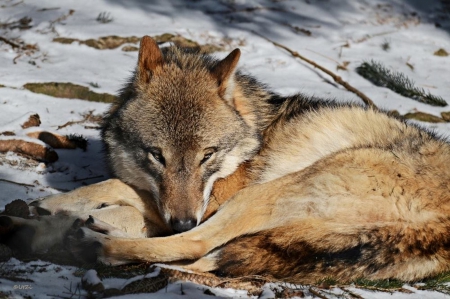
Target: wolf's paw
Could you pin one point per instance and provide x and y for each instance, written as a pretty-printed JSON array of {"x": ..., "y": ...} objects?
[
  {"x": 85, "y": 244},
  {"x": 99, "y": 226},
  {"x": 17, "y": 233},
  {"x": 35, "y": 207},
  {"x": 64, "y": 203},
  {"x": 90, "y": 246}
]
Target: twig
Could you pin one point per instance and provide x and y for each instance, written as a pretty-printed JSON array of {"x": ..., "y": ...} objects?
[
  {"x": 241, "y": 279},
  {"x": 336, "y": 78},
  {"x": 62, "y": 18},
  {"x": 316, "y": 293},
  {"x": 17, "y": 57},
  {"x": 16, "y": 183},
  {"x": 342, "y": 66},
  {"x": 7, "y": 41},
  {"x": 246, "y": 9},
  {"x": 352, "y": 294},
  {"x": 12, "y": 5},
  {"x": 46, "y": 9},
  {"x": 88, "y": 178},
  {"x": 243, "y": 283},
  {"x": 387, "y": 290},
  {"x": 93, "y": 127},
  {"x": 368, "y": 36},
  {"x": 70, "y": 123},
  {"x": 297, "y": 29},
  {"x": 15, "y": 4},
  {"x": 87, "y": 117}
]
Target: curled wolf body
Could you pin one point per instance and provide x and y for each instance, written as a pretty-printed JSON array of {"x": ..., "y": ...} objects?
[{"x": 217, "y": 173}]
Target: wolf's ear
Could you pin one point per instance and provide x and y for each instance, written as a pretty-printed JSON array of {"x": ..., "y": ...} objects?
[
  {"x": 224, "y": 71},
  {"x": 150, "y": 58}
]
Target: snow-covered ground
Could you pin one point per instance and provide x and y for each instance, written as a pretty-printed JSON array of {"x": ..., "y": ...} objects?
[{"x": 330, "y": 32}]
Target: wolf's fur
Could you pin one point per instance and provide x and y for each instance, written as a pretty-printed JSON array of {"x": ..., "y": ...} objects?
[{"x": 318, "y": 189}]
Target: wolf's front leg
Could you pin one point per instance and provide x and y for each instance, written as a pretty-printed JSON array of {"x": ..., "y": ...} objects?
[
  {"x": 250, "y": 211},
  {"x": 92, "y": 197}
]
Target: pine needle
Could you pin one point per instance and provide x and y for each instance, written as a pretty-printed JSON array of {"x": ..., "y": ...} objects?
[{"x": 398, "y": 82}]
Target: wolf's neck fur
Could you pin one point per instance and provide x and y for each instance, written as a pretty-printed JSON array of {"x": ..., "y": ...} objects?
[{"x": 253, "y": 101}]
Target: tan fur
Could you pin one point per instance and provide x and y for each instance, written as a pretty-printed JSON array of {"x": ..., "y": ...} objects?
[
  {"x": 347, "y": 199},
  {"x": 301, "y": 189}
]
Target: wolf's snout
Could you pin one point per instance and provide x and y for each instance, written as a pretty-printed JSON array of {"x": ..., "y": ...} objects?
[{"x": 182, "y": 225}]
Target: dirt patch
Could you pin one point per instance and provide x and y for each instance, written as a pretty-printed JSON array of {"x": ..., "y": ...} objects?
[
  {"x": 114, "y": 41},
  {"x": 422, "y": 116},
  {"x": 130, "y": 49},
  {"x": 102, "y": 43},
  {"x": 69, "y": 91},
  {"x": 441, "y": 52},
  {"x": 446, "y": 115}
]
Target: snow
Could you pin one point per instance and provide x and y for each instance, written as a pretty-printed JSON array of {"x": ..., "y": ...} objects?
[
  {"x": 341, "y": 31},
  {"x": 91, "y": 277}
]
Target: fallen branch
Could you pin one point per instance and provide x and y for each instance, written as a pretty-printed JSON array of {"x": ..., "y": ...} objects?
[
  {"x": 246, "y": 9},
  {"x": 88, "y": 178},
  {"x": 47, "y": 9},
  {"x": 54, "y": 140},
  {"x": 87, "y": 117},
  {"x": 70, "y": 123},
  {"x": 30, "y": 149},
  {"x": 16, "y": 183},
  {"x": 21, "y": 46},
  {"x": 93, "y": 127},
  {"x": 11, "y": 43},
  {"x": 335, "y": 77},
  {"x": 386, "y": 290},
  {"x": 317, "y": 293},
  {"x": 251, "y": 284},
  {"x": 352, "y": 294}
]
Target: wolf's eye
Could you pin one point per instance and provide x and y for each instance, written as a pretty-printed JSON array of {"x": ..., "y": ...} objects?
[
  {"x": 208, "y": 154},
  {"x": 156, "y": 155}
]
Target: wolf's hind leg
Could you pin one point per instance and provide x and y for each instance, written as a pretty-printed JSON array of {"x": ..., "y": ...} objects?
[{"x": 36, "y": 235}]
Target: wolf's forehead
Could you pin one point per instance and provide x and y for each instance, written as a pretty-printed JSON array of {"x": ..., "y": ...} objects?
[{"x": 189, "y": 125}]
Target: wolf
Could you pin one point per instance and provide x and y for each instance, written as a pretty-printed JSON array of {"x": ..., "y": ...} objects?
[{"x": 215, "y": 172}]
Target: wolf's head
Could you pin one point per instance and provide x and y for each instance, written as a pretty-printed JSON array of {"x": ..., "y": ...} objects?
[{"x": 179, "y": 129}]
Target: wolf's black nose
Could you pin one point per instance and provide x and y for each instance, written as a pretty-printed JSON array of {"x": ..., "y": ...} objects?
[{"x": 182, "y": 225}]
